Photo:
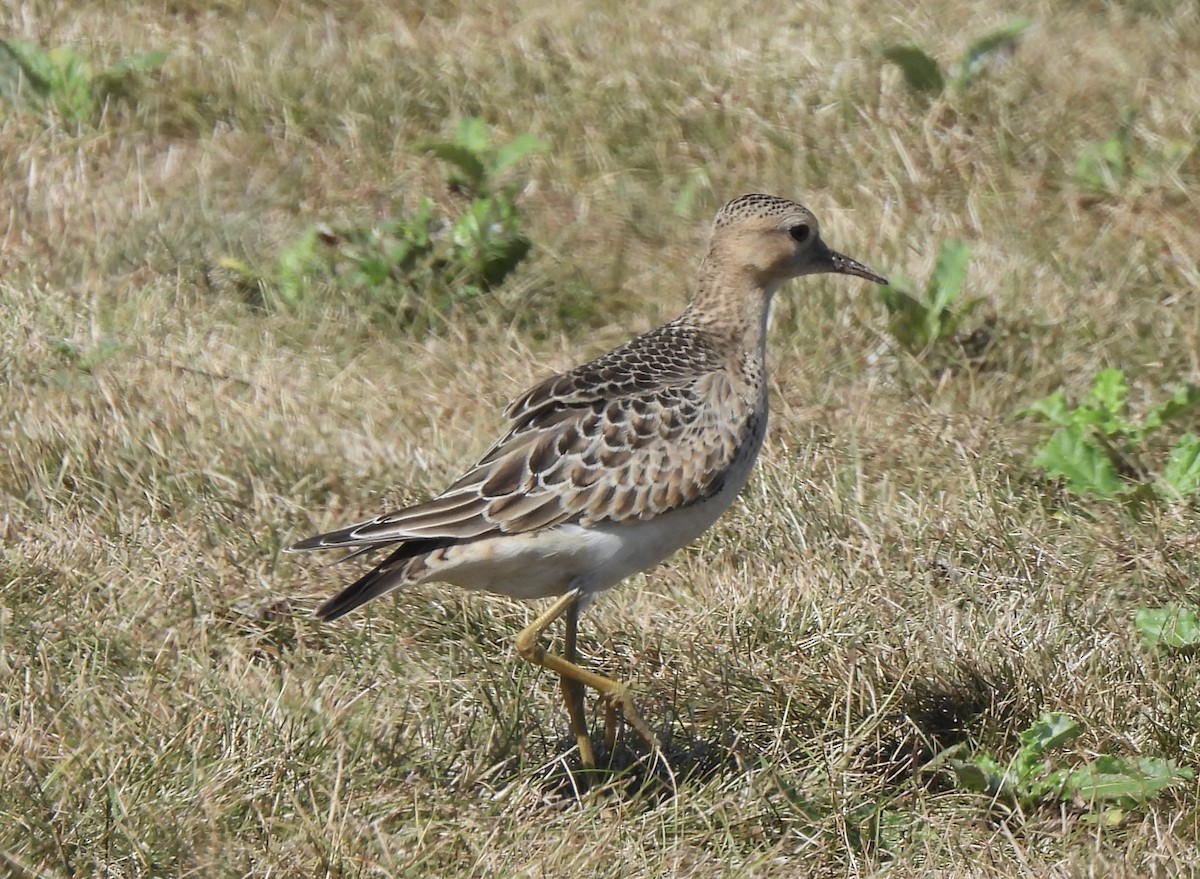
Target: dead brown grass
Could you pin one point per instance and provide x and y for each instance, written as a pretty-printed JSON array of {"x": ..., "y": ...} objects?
[{"x": 895, "y": 580}]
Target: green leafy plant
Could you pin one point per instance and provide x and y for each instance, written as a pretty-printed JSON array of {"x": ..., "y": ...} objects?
[
  {"x": 65, "y": 80},
  {"x": 1098, "y": 448},
  {"x": 925, "y": 76},
  {"x": 1105, "y": 166},
  {"x": 477, "y": 164},
  {"x": 77, "y": 359},
  {"x": 917, "y": 323},
  {"x": 1105, "y": 785},
  {"x": 1113, "y": 166},
  {"x": 1169, "y": 626},
  {"x": 418, "y": 264}
]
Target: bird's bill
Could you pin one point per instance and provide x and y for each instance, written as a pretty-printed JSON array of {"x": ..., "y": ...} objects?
[{"x": 844, "y": 265}]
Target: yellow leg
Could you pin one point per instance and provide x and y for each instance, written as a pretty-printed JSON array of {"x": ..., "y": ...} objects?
[
  {"x": 573, "y": 690},
  {"x": 575, "y": 678}
]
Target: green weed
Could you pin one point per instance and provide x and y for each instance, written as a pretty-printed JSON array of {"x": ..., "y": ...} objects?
[
  {"x": 920, "y": 323},
  {"x": 65, "y": 80},
  {"x": 1105, "y": 166},
  {"x": 419, "y": 264},
  {"x": 1106, "y": 785},
  {"x": 1169, "y": 626},
  {"x": 1099, "y": 449},
  {"x": 477, "y": 164},
  {"x": 925, "y": 76},
  {"x": 1112, "y": 166},
  {"x": 77, "y": 363}
]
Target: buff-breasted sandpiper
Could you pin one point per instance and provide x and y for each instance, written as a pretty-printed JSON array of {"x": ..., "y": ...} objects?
[{"x": 607, "y": 469}]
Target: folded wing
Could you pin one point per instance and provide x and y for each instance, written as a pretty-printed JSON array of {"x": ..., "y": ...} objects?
[{"x": 645, "y": 429}]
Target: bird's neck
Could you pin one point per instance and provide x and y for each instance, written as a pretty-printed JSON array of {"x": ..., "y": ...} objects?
[{"x": 733, "y": 308}]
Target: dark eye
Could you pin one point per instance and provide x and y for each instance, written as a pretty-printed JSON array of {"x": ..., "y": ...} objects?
[{"x": 800, "y": 232}]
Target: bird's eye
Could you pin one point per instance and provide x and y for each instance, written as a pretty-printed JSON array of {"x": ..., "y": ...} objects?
[{"x": 800, "y": 232}]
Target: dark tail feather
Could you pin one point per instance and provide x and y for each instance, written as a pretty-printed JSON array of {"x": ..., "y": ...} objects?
[
  {"x": 380, "y": 580},
  {"x": 387, "y": 575}
]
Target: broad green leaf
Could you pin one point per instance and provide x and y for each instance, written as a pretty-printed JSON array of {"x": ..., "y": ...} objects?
[
  {"x": 1128, "y": 780},
  {"x": 1085, "y": 467},
  {"x": 1085, "y": 416},
  {"x": 909, "y": 321},
  {"x": 977, "y": 55},
  {"x": 1051, "y": 730},
  {"x": 1183, "y": 398},
  {"x": 515, "y": 150},
  {"x": 297, "y": 265},
  {"x": 66, "y": 65},
  {"x": 371, "y": 270},
  {"x": 1108, "y": 391},
  {"x": 971, "y": 777},
  {"x": 487, "y": 246},
  {"x": 944, "y": 757},
  {"x": 1001, "y": 778},
  {"x": 897, "y": 301},
  {"x": 421, "y": 219},
  {"x": 118, "y": 78},
  {"x": 471, "y": 228},
  {"x": 1102, "y": 166},
  {"x": 1169, "y": 626},
  {"x": 1111, "y": 816},
  {"x": 71, "y": 85},
  {"x": 1181, "y": 476},
  {"x": 1053, "y": 408},
  {"x": 984, "y": 774},
  {"x": 473, "y": 135},
  {"x": 1105, "y": 405},
  {"x": 949, "y": 273},
  {"x": 1039, "y": 787},
  {"x": 1112, "y": 152},
  {"x": 33, "y": 69},
  {"x": 462, "y": 158},
  {"x": 503, "y": 256},
  {"x": 920, "y": 71}
]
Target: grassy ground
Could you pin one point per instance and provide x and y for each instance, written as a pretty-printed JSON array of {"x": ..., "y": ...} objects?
[{"x": 897, "y": 578}]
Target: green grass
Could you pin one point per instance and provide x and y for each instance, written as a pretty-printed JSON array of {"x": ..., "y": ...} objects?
[{"x": 899, "y": 577}]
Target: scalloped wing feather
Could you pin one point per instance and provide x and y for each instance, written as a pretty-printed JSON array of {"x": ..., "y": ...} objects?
[{"x": 645, "y": 429}]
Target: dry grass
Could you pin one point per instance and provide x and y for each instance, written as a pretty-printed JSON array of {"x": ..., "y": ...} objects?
[{"x": 895, "y": 580}]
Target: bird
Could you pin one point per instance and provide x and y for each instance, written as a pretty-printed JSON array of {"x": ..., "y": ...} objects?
[{"x": 608, "y": 468}]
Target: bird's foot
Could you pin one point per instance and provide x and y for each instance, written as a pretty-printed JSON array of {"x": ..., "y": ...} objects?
[{"x": 619, "y": 702}]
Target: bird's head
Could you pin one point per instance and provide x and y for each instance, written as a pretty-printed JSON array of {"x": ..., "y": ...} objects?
[{"x": 775, "y": 239}]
